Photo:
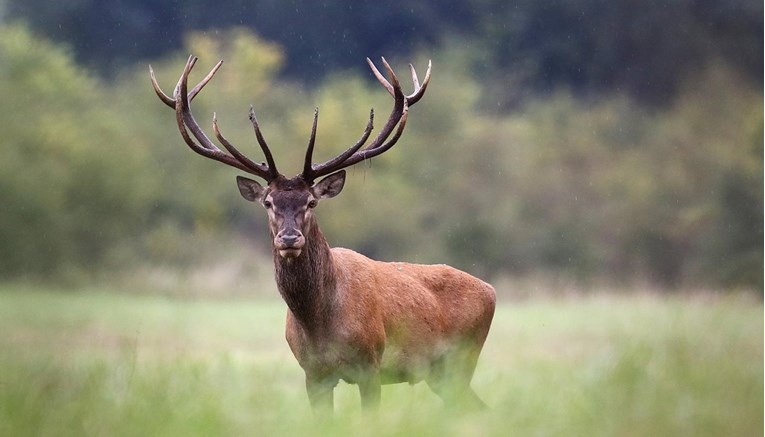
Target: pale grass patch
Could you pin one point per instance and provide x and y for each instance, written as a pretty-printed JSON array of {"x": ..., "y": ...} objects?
[{"x": 104, "y": 363}]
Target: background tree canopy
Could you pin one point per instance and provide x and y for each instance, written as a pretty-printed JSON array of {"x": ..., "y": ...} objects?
[
  {"x": 593, "y": 140},
  {"x": 646, "y": 48}
]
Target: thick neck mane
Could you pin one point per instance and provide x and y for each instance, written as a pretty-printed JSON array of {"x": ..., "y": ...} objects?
[{"x": 307, "y": 283}]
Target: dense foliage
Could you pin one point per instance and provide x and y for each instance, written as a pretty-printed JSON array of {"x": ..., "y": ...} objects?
[
  {"x": 581, "y": 180},
  {"x": 642, "y": 47}
]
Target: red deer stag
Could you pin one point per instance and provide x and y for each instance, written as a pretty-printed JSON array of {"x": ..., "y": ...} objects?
[{"x": 350, "y": 317}]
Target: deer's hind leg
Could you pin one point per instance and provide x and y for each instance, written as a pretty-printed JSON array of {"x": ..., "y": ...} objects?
[
  {"x": 450, "y": 377},
  {"x": 370, "y": 390}
]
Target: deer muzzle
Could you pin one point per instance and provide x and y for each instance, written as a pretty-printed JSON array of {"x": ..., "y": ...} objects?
[{"x": 289, "y": 243}]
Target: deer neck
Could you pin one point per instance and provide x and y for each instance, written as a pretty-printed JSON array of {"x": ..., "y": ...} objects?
[{"x": 307, "y": 283}]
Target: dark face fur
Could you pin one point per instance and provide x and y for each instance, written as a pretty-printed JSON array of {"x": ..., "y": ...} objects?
[{"x": 290, "y": 203}]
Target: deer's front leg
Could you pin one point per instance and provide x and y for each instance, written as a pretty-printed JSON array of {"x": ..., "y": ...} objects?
[
  {"x": 320, "y": 394},
  {"x": 369, "y": 388}
]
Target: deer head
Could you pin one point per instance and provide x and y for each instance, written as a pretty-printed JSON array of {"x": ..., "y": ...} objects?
[
  {"x": 290, "y": 201},
  {"x": 290, "y": 204}
]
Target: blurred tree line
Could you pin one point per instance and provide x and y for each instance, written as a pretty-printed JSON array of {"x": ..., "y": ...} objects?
[
  {"x": 605, "y": 162},
  {"x": 643, "y": 47}
]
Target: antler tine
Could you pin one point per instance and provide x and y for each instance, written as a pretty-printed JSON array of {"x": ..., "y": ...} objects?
[
  {"x": 169, "y": 101},
  {"x": 273, "y": 173},
  {"x": 419, "y": 91},
  {"x": 190, "y": 62},
  {"x": 414, "y": 78},
  {"x": 236, "y": 153},
  {"x": 309, "y": 151},
  {"x": 380, "y": 77},
  {"x": 194, "y": 91},
  {"x": 393, "y": 79}
]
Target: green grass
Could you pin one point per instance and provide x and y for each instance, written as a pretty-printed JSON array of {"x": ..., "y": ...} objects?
[{"x": 97, "y": 363}]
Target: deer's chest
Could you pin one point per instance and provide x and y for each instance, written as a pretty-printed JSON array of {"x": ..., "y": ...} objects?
[{"x": 332, "y": 352}]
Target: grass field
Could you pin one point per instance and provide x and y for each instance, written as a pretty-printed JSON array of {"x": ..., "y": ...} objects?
[{"x": 97, "y": 363}]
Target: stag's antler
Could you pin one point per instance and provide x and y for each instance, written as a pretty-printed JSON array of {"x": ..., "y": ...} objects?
[
  {"x": 204, "y": 146},
  {"x": 180, "y": 102},
  {"x": 380, "y": 143}
]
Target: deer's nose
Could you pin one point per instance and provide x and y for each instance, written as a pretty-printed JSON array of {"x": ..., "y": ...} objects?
[{"x": 290, "y": 238}]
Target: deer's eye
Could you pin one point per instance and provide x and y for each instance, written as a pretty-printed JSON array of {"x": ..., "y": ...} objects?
[
  {"x": 312, "y": 204},
  {"x": 267, "y": 204}
]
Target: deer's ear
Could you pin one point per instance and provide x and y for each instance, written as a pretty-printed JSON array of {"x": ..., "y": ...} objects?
[
  {"x": 330, "y": 186},
  {"x": 249, "y": 189}
]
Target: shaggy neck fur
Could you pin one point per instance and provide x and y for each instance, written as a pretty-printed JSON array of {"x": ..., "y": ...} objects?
[{"x": 307, "y": 283}]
